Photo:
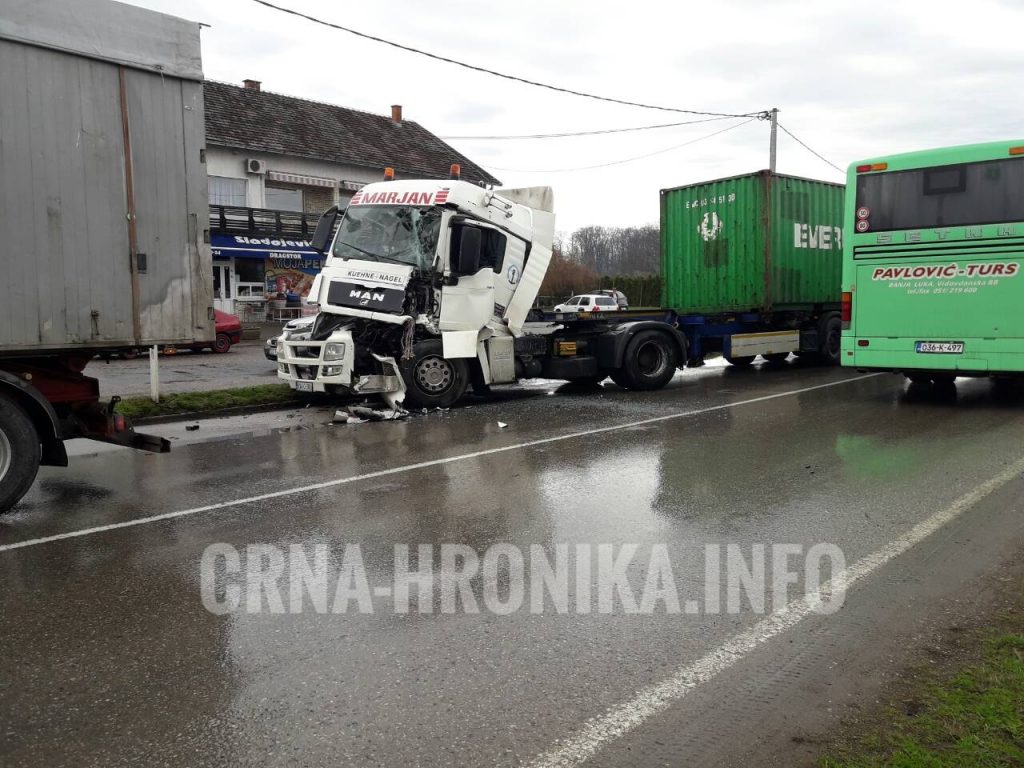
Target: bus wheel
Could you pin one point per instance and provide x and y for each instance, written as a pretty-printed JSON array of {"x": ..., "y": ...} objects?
[
  {"x": 19, "y": 453},
  {"x": 649, "y": 363},
  {"x": 740, "y": 362},
  {"x": 919, "y": 379},
  {"x": 830, "y": 333},
  {"x": 431, "y": 381}
]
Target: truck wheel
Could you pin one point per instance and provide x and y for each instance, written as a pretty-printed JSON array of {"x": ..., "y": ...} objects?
[
  {"x": 222, "y": 343},
  {"x": 19, "y": 453},
  {"x": 649, "y": 363},
  {"x": 830, "y": 332},
  {"x": 431, "y": 381},
  {"x": 740, "y": 362},
  {"x": 776, "y": 358}
]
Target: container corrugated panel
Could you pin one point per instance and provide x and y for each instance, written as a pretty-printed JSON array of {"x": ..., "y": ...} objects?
[
  {"x": 751, "y": 243},
  {"x": 65, "y": 248}
]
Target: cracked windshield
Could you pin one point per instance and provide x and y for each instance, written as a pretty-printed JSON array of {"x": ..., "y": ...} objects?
[{"x": 402, "y": 234}]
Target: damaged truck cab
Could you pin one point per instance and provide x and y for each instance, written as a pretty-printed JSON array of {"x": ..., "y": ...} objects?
[{"x": 427, "y": 288}]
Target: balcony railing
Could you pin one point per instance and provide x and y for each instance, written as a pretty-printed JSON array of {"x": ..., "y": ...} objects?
[{"x": 262, "y": 221}]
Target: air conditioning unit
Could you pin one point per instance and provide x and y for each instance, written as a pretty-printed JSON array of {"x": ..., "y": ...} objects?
[{"x": 252, "y": 165}]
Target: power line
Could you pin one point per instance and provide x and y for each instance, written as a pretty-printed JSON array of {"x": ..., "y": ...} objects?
[
  {"x": 823, "y": 159},
  {"x": 628, "y": 159},
  {"x": 583, "y": 133},
  {"x": 475, "y": 68}
]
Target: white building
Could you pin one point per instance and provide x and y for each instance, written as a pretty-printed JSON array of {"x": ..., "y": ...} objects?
[{"x": 276, "y": 162}]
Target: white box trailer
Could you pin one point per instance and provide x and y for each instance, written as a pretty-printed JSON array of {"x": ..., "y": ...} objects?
[
  {"x": 103, "y": 192},
  {"x": 103, "y": 214}
]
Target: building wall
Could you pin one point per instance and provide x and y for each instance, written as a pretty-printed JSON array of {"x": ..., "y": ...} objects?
[{"x": 231, "y": 163}]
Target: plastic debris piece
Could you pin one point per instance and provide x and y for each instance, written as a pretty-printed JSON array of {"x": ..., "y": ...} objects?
[
  {"x": 191, "y": 427},
  {"x": 502, "y": 425}
]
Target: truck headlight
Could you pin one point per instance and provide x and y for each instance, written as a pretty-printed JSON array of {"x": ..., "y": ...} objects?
[{"x": 334, "y": 351}]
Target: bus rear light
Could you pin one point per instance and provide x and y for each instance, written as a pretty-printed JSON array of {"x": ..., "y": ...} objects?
[
  {"x": 872, "y": 167},
  {"x": 846, "y": 309},
  {"x": 1017, "y": 150},
  {"x": 863, "y": 342}
]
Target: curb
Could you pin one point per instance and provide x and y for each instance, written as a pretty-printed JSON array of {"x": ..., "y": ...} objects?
[{"x": 238, "y": 410}]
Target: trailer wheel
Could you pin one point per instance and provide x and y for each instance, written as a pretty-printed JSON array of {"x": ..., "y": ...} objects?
[
  {"x": 740, "y": 362},
  {"x": 830, "y": 332},
  {"x": 431, "y": 381},
  {"x": 649, "y": 363},
  {"x": 20, "y": 452},
  {"x": 776, "y": 358}
]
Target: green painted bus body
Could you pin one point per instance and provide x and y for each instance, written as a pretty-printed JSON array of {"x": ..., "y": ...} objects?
[{"x": 934, "y": 258}]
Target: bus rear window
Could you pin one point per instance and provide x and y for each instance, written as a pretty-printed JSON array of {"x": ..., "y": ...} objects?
[{"x": 944, "y": 196}]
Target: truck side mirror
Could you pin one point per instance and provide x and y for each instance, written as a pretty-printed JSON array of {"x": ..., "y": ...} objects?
[
  {"x": 324, "y": 229},
  {"x": 466, "y": 260}
]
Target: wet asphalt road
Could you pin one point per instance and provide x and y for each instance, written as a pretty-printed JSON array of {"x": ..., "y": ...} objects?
[{"x": 108, "y": 656}]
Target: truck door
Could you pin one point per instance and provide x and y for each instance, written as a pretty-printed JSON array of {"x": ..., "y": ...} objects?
[{"x": 473, "y": 300}]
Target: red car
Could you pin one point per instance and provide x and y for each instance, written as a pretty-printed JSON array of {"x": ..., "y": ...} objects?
[{"x": 229, "y": 331}]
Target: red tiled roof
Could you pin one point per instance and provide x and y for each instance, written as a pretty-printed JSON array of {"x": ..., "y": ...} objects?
[{"x": 245, "y": 118}]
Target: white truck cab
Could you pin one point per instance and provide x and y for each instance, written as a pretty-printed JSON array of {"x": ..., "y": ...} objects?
[{"x": 426, "y": 289}]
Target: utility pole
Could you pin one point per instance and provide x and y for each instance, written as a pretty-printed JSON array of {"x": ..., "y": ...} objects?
[{"x": 774, "y": 140}]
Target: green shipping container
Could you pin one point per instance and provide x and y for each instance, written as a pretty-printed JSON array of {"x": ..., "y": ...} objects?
[{"x": 761, "y": 242}]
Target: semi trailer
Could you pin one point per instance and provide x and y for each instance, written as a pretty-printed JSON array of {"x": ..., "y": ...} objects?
[
  {"x": 429, "y": 286},
  {"x": 103, "y": 209}
]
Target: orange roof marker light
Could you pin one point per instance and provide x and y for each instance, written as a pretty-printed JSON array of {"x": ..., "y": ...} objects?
[
  {"x": 1017, "y": 150},
  {"x": 389, "y": 174},
  {"x": 872, "y": 167},
  {"x": 455, "y": 172}
]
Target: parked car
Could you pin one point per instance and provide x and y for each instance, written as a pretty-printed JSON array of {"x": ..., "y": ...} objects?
[
  {"x": 619, "y": 296},
  {"x": 270, "y": 345},
  {"x": 228, "y": 329},
  {"x": 589, "y": 302}
]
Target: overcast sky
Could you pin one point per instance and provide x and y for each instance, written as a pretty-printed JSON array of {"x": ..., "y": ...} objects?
[{"x": 852, "y": 80}]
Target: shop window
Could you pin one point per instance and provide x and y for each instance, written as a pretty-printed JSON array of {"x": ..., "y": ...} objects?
[{"x": 250, "y": 275}]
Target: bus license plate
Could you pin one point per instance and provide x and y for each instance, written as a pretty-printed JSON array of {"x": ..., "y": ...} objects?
[
  {"x": 941, "y": 347},
  {"x": 303, "y": 386}
]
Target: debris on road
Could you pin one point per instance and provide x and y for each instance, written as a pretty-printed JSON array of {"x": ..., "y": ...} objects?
[
  {"x": 357, "y": 414},
  {"x": 502, "y": 425},
  {"x": 191, "y": 427}
]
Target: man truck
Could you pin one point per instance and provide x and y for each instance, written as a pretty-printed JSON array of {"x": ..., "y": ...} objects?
[
  {"x": 429, "y": 288},
  {"x": 103, "y": 204}
]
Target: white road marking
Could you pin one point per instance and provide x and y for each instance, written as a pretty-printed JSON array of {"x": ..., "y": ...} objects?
[
  {"x": 411, "y": 467},
  {"x": 648, "y": 702}
]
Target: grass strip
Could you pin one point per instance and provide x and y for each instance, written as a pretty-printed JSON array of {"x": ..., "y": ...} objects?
[
  {"x": 970, "y": 718},
  {"x": 210, "y": 400}
]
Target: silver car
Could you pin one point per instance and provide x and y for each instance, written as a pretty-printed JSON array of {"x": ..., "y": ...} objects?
[{"x": 298, "y": 324}]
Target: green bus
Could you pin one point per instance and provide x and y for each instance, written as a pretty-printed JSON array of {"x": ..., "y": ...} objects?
[{"x": 932, "y": 283}]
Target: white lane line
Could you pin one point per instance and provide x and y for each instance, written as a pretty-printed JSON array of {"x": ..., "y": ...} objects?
[
  {"x": 411, "y": 467},
  {"x": 648, "y": 702}
]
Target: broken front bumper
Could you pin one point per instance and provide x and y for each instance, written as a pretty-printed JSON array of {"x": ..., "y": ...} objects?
[{"x": 329, "y": 366}]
